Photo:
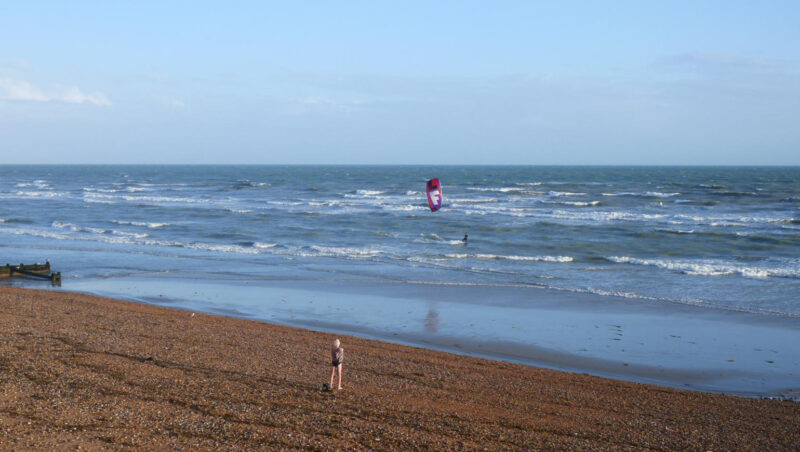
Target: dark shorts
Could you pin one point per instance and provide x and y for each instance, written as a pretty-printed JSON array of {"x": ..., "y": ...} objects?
[{"x": 335, "y": 363}]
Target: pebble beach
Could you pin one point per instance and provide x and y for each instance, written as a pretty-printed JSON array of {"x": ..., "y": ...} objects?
[{"x": 85, "y": 372}]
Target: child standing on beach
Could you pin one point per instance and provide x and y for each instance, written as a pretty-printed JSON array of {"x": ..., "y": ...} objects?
[{"x": 337, "y": 355}]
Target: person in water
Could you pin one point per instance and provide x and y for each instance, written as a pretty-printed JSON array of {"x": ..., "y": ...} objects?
[
  {"x": 337, "y": 356},
  {"x": 466, "y": 236}
]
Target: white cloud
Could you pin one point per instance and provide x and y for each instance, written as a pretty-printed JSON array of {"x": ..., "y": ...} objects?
[{"x": 22, "y": 90}]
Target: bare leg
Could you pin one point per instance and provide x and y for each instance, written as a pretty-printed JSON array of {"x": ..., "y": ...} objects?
[
  {"x": 340, "y": 376},
  {"x": 333, "y": 371}
]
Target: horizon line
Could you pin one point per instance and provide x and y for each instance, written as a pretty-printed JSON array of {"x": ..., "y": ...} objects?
[{"x": 599, "y": 165}]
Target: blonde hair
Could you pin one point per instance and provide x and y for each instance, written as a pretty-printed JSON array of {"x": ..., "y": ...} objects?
[{"x": 336, "y": 343}]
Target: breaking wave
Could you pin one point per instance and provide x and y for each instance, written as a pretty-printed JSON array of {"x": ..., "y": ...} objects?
[
  {"x": 714, "y": 268},
  {"x": 559, "y": 259}
]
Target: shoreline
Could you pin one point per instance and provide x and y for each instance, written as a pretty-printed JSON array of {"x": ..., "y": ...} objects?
[
  {"x": 679, "y": 346},
  {"x": 82, "y": 370}
]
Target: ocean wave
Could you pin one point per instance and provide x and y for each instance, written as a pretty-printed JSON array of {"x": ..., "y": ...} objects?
[
  {"x": 404, "y": 208},
  {"x": 697, "y": 202},
  {"x": 333, "y": 251},
  {"x": 88, "y": 229},
  {"x": 221, "y": 248},
  {"x": 151, "y": 225},
  {"x": 646, "y": 194},
  {"x": 713, "y": 268},
  {"x": 246, "y": 183},
  {"x": 90, "y": 234},
  {"x": 575, "y": 203},
  {"x": 728, "y": 220},
  {"x": 431, "y": 236},
  {"x": 110, "y": 198},
  {"x": 560, "y": 259},
  {"x": 676, "y": 231},
  {"x": 427, "y": 259},
  {"x": 285, "y": 203},
  {"x": 564, "y": 193},
  {"x": 125, "y": 238},
  {"x": 38, "y": 183},
  {"x": 473, "y": 200},
  {"x": 499, "y": 189},
  {"x": 16, "y": 220},
  {"x": 604, "y": 216},
  {"x": 239, "y": 210},
  {"x": 369, "y": 192},
  {"x": 40, "y": 194}
]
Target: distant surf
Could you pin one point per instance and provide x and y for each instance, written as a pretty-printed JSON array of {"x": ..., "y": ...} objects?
[{"x": 724, "y": 238}]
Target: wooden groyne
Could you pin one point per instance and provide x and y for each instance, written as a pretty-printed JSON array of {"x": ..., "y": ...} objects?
[{"x": 36, "y": 270}]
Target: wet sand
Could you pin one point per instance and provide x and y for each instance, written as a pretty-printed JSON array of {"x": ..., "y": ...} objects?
[
  {"x": 667, "y": 344},
  {"x": 79, "y": 370}
]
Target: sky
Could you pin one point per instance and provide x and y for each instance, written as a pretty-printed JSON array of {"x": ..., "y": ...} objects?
[{"x": 412, "y": 82}]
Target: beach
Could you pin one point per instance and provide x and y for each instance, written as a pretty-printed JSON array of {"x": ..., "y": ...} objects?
[
  {"x": 84, "y": 371},
  {"x": 676, "y": 276}
]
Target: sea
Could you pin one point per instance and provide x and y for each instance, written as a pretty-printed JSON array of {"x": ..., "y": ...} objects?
[{"x": 719, "y": 239}]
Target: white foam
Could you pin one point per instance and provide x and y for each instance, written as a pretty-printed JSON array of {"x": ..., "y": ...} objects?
[
  {"x": 498, "y": 189},
  {"x": 714, "y": 267},
  {"x": 564, "y": 193},
  {"x": 126, "y": 238},
  {"x": 649, "y": 194},
  {"x": 369, "y": 192},
  {"x": 332, "y": 251},
  {"x": 432, "y": 236},
  {"x": 603, "y": 216},
  {"x": 579, "y": 203},
  {"x": 142, "y": 224},
  {"x": 40, "y": 194},
  {"x": 559, "y": 259},
  {"x": 285, "y": 203},
  {"x": 454, "y": 201},
  {"x": 88, "y": 229},
  {"x": 405, "y": 208},
  {"x": 238, "y": 249},
  {"x": 676, "y": 231},
  {"x": 39, "y": 183},
  {"x": 165, "y": 199},
  {"x": 97, "y": 201},
  {"x": 110, "y": 198}
]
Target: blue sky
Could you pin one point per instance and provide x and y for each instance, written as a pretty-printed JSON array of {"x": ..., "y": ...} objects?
[{"x": 443, "y": 82}]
